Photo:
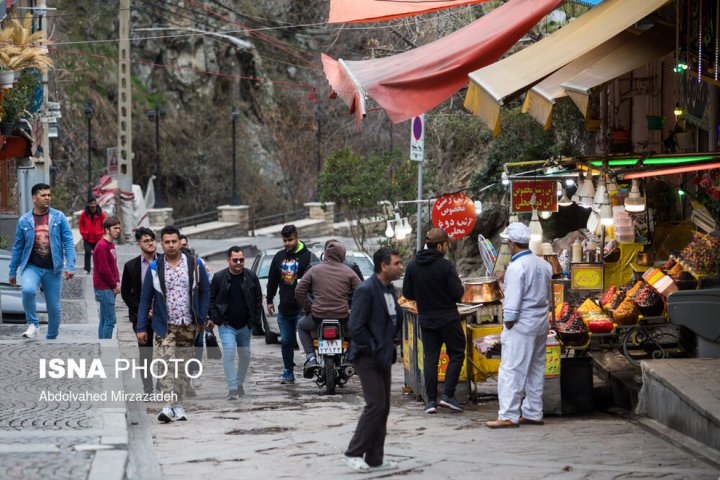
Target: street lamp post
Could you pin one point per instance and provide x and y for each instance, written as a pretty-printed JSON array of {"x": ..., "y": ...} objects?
[
  {"x": 235, "y": 200},
  {"x": 155, "y": 114},
  {"x": 89, "y": 110}
]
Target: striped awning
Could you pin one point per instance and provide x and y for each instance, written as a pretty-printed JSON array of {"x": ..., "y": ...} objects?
[{"x": 491, "y": 85}]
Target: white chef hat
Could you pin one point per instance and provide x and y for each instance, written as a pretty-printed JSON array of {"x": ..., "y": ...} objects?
[{"x": 519, "y": 232}]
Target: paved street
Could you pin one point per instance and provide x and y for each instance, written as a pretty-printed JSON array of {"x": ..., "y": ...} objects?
[{"x": 286, "y": 431}]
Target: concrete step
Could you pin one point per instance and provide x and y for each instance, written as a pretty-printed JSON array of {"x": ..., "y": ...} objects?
[{"x": 683, "y": 394}]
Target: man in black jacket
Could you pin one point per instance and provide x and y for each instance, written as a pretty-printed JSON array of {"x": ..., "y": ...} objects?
[
  {"x": 130, "y": 288},
  {"x": 433, "y": 283},
  {"x": 375, "y": 326},
  {"x": 287, "y": 267},
  {"x": 235, "y": 303}
]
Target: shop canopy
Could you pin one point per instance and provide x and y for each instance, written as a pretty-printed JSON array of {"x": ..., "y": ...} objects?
[
  {"x": 413, "y": 82},
  {"x": 350, "y": 11},
  {"x": 491, "y": 85},
  {"x": 619, "y": 55}
]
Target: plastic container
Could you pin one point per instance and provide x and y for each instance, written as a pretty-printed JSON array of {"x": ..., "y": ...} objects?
[
  {"x": 623, "y": 222},
  {"x": 625, "y": 238}
]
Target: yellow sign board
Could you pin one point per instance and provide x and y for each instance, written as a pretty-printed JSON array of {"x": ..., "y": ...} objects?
[{"x": 586, "y": 276}]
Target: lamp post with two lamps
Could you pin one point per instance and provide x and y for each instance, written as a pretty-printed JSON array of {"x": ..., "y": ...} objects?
[
  {"x": 155, "y": 114},
  {"x": 89, "y": 110}
]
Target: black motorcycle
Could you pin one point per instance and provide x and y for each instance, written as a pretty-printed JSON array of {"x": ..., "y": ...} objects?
[{"x": 331, "y": 347}]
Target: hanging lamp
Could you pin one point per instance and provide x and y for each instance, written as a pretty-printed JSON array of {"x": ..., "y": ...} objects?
[{"x": 635, "y": 202}]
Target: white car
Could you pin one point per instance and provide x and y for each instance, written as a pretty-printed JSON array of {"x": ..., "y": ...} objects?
[
  {"x": 261, "y": 267},
  {"x": 361, "y": 259},
  {"x": 11, "y": 296}
]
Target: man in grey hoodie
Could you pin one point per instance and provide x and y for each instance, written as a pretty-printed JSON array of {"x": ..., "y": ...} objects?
[{"x": 331, "y": 284}]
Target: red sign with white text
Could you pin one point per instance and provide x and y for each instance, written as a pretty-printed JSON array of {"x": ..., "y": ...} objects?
[
  {"x": 455, "y": 214},
  {"x": 545, "y": 196}
]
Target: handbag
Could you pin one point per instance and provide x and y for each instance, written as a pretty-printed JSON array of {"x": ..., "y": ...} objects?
[{"x": 211, "y": 346}]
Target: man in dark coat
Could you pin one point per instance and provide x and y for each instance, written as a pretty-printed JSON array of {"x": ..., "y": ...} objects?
[
  {"x": 433, "y": 283},
  {"x": 375, "y": 324},
  {"x": 235, "y": 305},
  {"x": 130, "y": 288}
]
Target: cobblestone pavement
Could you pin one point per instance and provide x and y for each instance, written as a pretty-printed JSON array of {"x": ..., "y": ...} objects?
[
  {"x": 44, "y": 437},
  {"x": 294, "y": 431}
]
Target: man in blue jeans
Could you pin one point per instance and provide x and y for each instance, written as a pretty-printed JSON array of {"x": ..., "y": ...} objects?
[
  {"x": 235, "y": 303},
  {"x": 287, "y": 267},
  {"x": 43, "y": 242},
  {"x": 106, "y": 278}
]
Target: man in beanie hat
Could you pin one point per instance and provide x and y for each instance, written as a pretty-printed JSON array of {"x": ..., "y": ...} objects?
[
  {"x": 525, "y": 313},
  {"x": 433, "y": 283},
  {"x": 91, "y": 228}
]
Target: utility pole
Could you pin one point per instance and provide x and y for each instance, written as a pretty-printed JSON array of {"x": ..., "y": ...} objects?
[
  {"x": 235, "y": 200},
  {"x": 43, "y": 162},
  {"x": 124, "y": 139}
]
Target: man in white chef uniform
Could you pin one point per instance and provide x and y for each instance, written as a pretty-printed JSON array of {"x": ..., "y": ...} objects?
[{"x": 522, "y": 364}]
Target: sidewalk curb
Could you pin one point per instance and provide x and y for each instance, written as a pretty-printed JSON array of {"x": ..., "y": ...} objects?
[
  {"x": 108, "y": 464},
  {"x": 679, "y": 440}
]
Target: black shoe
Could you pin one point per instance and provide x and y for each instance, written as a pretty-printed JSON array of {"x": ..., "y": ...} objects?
[
  {"x": 431, "y": 407},
  {"x": 451, "y": 403},
  {"x": 240, "y": 391},
  {"x": 310, "y": 367},
  {"x": 232, "y": 395}
]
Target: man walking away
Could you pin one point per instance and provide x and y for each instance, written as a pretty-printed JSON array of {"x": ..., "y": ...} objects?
[
  {"x": 235, "y": 305},
  {"x": 106, "y": 278},
  {"x": 43, "y": 239},
  {"x": 375, "y": 326},
  {"x": 90, "y": 225},
  {"x": 130, "y": 288},
  {"x": 433, "y": 283},
  {"x": 287, "y": 267},
  {"x": 525, "y": 313},
  {"x": 331, "y": 283},
  {"x": 176, "y": 289}
]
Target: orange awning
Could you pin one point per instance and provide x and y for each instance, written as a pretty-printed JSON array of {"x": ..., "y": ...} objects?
[
  {"x": 416, "y": 81},
  {"x": 350, "y": 11}
]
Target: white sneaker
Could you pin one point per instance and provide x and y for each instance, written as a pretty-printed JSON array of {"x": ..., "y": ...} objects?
[
  {"x": 180, "y": 414},
  {"x": 31, "y": 331},
  {"x": 167, "y": 415}
]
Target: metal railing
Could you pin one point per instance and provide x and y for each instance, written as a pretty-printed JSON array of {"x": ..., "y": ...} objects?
[
  {"x": 194, "y": 220},
  {"x": 266, "y": 221}
]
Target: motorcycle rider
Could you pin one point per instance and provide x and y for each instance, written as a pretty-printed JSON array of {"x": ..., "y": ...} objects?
[{"x": 331, "y": 283}]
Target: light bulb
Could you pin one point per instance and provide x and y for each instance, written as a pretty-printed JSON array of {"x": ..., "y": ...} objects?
[
  {"x": 478, "y": 207},
  {"x": 635, "y": 202},
  {"x": 400, "y": 234},
  {"x": 564, "y": 200},
  {"x": 576, "y": 196},
  {"x": 505, "y": 180},
  {"x": 536, "y": 231},
  {"x": 569, "y": 182},
  {"x": 389, "y": 230},
  {"x": 545, "y": 214},
  {"x": 599, "y": 198},
  {"x": 606, "y": 211},
  {"x": 407, "y": 229}
]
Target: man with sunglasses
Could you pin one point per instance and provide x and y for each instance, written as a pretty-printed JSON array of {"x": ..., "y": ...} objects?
[
  {"x": 235, "y": 305},
  {"x": 131, "y": 286}
]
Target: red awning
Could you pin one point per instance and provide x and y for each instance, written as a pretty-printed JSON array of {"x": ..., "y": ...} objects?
[
  {"x": 350, "y": 11},
  {"x": 416, "y": 81}
]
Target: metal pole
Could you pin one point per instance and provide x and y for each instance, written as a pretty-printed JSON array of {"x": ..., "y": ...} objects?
[
  {"x": 88, "y": 112},
  {"x": 419, "y": 207},
  {"x": 235, "y": 200},
  {"x": 158, "y": 187}
]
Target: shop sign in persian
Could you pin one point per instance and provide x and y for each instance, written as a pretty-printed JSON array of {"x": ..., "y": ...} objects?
[
  {"x": 545, "y": 196},
  {"x": 454, "y": 213},
  {"x": 586, "y": 276},
  {"x": 552, "y": 361}
]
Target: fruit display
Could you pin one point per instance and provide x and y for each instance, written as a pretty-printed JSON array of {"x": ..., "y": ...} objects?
[
  {"x": 563, "y": 311},
  {"x": 600, "y": 325},
  {"x": 686, "y": 281},
  {"x": 588, "y": 306},
  {"x": 626, "y": 313},
  {"x": 676, "y": 271},
  {"x": 616, "y": 301},
  {"x": 607, "y": 296},
  {"x": 700, "y": 254},
  {"x": 668, "y": 265},
  {"x": 630, "y": 293},
  {"x": 649, "y": 301}
]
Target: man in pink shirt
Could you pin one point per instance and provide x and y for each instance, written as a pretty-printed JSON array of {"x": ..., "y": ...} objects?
[{"x": 106, "y": 278}]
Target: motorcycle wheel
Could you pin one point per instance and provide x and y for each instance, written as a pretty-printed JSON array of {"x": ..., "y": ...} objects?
[{"x": 330, "y": 375}]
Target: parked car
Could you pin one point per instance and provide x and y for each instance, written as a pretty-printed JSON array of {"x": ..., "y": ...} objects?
[
  {"x": 261, "y": 267},
  {"x": 11, "y": 296}
]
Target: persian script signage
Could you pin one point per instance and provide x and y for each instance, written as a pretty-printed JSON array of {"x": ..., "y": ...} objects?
[
  {"x": 545, "y": 196},
  {"x": 586, "y": 276},
  {"x": 455, "y": 214}
]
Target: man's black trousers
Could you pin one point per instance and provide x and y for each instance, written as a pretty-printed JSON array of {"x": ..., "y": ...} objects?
[
  {"x": 369, "y": 438},
  {"x": 451, "y": 334}
]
